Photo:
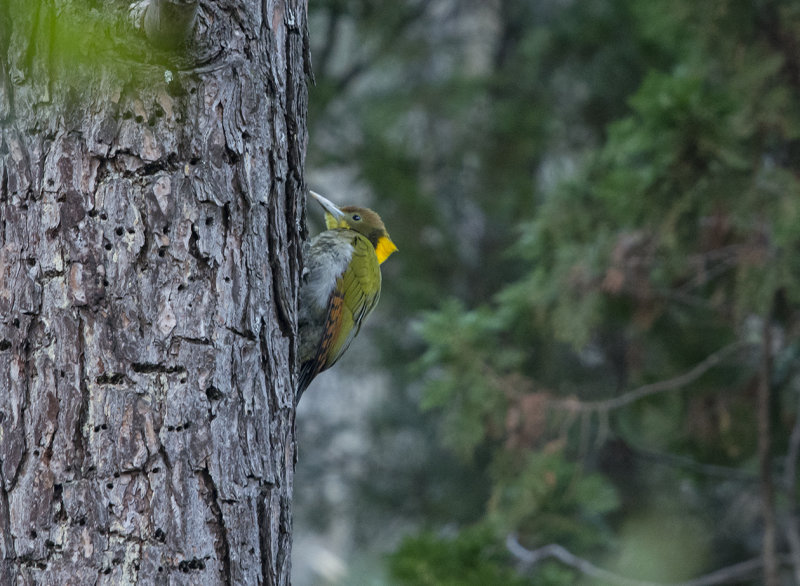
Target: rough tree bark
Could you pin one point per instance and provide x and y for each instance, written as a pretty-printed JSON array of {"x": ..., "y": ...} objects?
[{"x": 150, "y": 219}]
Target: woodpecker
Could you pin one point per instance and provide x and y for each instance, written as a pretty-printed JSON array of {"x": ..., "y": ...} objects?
[{"x": 341, "y": 284}]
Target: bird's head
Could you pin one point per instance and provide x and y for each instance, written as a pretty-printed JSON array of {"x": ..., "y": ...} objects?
[{"x": 362, "y": 220}]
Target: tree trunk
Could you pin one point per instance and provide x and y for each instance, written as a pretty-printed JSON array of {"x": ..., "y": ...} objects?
[
  {"x": 150, "y": 217},
  {"x": 769, "y": 553}
]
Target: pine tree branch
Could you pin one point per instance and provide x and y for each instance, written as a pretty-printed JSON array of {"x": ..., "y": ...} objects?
[
  {"x": 530, "y": 558},
  {"x": 655, "y": 388},
  {"x": 688, "y": 464}
]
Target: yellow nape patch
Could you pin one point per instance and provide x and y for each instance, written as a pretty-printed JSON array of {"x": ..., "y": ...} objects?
[
  {"x": 385, "y": 248},
  {"x": 332, "y": 222}
]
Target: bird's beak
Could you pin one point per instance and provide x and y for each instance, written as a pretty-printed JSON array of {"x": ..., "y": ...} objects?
[{"x": 328, "y": 205}]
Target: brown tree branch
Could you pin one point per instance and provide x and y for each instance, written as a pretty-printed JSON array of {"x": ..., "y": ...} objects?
[
  {"x": 765, "y": 458},
  {"x": 530, "y": 558},
  {"x": 790, "y": 486},
  {"x": 651, "y": 389},
  {"x": 711, "y": 470}
]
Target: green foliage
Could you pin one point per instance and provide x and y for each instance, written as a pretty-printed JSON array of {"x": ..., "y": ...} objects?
[
  {"x": 610, "y": 199},
  {"x": 476, "y": 386},
  {"x": 543, "y": 494},
  {"x": 669, "y": 240},
  {"x": 472, "y": 558}
]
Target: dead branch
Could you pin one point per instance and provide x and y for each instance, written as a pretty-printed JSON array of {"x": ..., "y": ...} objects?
[
  {"x": 532, "y": 557},
  {"x": 648, "y": 390}
]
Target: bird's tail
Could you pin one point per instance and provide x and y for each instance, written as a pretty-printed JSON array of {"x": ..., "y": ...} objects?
[{"x": 308, "y": 371}]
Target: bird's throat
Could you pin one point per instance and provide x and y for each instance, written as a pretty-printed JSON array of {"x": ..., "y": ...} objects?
[{"x": 384, "y": 248}]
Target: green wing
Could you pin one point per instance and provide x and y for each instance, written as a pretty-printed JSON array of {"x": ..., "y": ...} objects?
[
  {"x": 359, "y": 288},
  {"x": 356, "y": 293}
]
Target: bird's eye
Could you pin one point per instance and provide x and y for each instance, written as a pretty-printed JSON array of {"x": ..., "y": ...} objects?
[{"x": 356, "y": 217}]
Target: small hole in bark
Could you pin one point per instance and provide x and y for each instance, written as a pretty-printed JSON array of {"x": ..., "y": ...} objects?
[
  {"x": 49, "y": 544},
  {"x": 16, "y": 322},
  {"x": 104, "y": 426},
  {"x": 36, "y": 453},
  {"x": 62, "y": 373},
  {"x": 105, "y": 282},
  {"x": 107, "y": 571},
  {"x": 31, "y": 262},
  {"x": 162, "y": 252},
  {"x": 107, "y": 246},
  {"x": 160, "y": 535},
  {"x": 96, "y": 428},
  {"x": 116, "y": 474},
  {"x": 92, "y": 213},
  {"x": 155, "y": 470},
  {"x": 110, "y": 485},
  {"x": 187, "y": 425},
  {"x": 4, "y": 345},
  {"x": 194, "y": 160},
  {"x": 119, "y": 231},
  {"x": 167, "y": 226},
  {"x": 33, "y": 534},
  {"x": 170, "y": 428},
  {"x": 209, "y": 221},
  {"x": 104, "y": 216},
  {"x": 131, "y": 230},
  {"x": 160, "y": 569},
  {"x": 82, "y": 521}
]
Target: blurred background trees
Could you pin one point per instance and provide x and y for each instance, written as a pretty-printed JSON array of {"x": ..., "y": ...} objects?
[{"x": 590, "y": 335}]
